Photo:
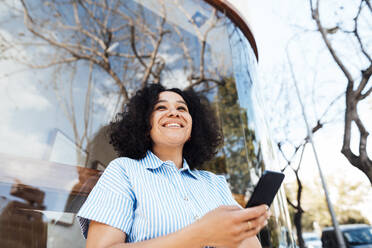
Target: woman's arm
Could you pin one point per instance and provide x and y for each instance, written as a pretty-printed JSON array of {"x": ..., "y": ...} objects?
[{"x": 226, "y": 226}]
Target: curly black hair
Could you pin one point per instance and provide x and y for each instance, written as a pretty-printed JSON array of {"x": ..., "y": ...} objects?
[{"x": 130, "y": 130}]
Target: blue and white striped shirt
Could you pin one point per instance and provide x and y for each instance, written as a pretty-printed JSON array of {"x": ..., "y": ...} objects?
[{"x": 149, "y": 198}]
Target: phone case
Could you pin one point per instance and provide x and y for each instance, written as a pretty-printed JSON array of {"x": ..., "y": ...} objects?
[{"x": 266, "y": 188}]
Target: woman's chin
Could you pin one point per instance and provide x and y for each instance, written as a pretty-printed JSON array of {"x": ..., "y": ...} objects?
[{"x": 173, "y": 142}]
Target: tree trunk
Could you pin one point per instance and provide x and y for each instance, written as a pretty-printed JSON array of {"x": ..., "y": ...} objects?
[
  {"x": 362, "y": 162},
  {"x": 298, "y": 225}
]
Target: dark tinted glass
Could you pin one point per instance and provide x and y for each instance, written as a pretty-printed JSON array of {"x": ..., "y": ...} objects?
[{"x": 360, "y": 236}]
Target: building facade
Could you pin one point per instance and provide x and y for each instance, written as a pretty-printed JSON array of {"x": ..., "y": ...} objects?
[{"x": 66, "y": 69}]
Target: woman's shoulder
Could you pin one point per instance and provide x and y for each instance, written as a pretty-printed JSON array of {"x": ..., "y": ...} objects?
[
  {"x": 122, "y": 161},
  {"x": 122, "y": 165},
  {"x": 119, "y": 172}
]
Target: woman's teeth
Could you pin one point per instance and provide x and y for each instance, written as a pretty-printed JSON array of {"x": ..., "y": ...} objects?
[{"x": 172, "y": 125}]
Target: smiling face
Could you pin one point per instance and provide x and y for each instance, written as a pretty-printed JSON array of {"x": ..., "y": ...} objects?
[{"x": 171, "y": 122}]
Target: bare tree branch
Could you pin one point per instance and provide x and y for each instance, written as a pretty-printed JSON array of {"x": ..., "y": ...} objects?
[
  {"x": 51, "y": 64},
  {"x": 356, "y": 33},
  {"x": 291, "y": 203},
  {"x": 133, "y": 45},
  {"x": 185, "y": 49},
  {"x": 366, "y": 75},
  {"x": 154, "y": 54},
  {"x": 368, "y": 92},
  {"x": 362, "y": 161},
  {"x": 88, "y": 107},
  {"x": 368, "y": 4},
  {"x": 331, "y": 104},
  {"x": 315, "y": 16},
  {"x": 104, "y": 63}
]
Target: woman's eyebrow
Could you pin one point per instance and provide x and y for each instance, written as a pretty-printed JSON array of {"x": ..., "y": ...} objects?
[{"x": 179, "y": 101}]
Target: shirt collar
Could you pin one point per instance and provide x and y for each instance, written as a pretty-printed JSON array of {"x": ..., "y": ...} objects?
[
  {"x": 151, "y": 161},
  {"x": 186, "y": 167}
]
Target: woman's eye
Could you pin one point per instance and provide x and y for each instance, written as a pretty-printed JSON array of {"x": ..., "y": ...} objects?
[
  {"x": 160, "y": 107},
  {"x": 182, "y": 108}
]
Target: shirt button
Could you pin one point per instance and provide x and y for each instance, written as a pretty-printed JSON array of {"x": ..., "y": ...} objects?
[
  {"x": 196, "y": 217},
  {"x": 185, "y": 198}
]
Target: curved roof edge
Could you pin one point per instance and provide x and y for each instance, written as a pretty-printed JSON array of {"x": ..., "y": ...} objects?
[{"x": 237, "y": 18}]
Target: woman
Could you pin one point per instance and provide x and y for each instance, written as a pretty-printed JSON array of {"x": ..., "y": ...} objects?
[{"x": 153, "y": 195}]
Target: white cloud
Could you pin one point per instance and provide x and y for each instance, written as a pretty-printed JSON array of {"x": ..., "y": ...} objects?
[
  {"x": 19, "y": 93},
  {"x": 13, "y": 141},
  {"x": 169, "y": 57},
  {"x": 175, "y": 79},
  {"x": 9, "y": 7},
  {"x": 18, "y": 90},
  {"x": 16, "y": 96}
]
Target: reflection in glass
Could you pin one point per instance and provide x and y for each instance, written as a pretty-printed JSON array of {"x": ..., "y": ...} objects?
[
  {"x": 92, "y": 57},
  {"x": 359, "y": 236},
  {"x": 259, "y": 147},
  {"x": 71, "y": 66},
  {"x": 64, "y": 150},
  {"x": 21, "y": 224},
  {"x": 41, "y": 198}
]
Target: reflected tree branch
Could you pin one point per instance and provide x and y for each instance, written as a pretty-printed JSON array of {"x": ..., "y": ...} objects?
[
  {"x": 104, "y": 63},
  {"x": 122, "y": 41},
  {"x": 154, "y": 54},
  {"x": 185, "y": 49},
  {"x": 45, "y": 66},
  {"x": 196, "y": 80}
]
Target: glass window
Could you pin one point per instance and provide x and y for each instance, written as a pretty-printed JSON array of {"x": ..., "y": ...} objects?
[
  {"x": 360, "y": 236},
  {"x": 259, "y": 149},
  {"x": 66, "y": 69}
]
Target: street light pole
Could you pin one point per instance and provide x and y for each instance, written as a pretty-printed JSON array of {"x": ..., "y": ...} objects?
[{"x": 339, "y": 237}]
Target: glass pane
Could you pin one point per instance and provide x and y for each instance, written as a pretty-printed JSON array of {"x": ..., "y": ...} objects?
[
  {"x": 66, "y": 69},
  {"x": 360, "y": 236},
  {"x": 70, "y": 66},
  {"x": 258, "y": 145}
]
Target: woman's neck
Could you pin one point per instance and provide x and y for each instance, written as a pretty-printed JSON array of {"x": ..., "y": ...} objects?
[{"x": 169, "y": 153}]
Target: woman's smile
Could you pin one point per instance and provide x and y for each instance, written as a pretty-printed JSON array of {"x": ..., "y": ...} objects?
[{"x": 173, "y": 125}]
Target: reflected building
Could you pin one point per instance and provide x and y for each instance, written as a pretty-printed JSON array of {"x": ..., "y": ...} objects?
[{"x": 71, "y": 66}]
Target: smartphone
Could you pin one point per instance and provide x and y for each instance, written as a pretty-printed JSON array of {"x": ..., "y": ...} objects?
[{"x": 266, "y": 188}]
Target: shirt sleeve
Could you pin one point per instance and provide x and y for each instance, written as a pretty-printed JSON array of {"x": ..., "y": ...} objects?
[
  {"x": 225, "y": 192},
  {"x": 111, "y": 201}
]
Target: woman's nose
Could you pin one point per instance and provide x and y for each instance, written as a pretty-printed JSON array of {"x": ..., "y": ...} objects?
[{"x": 173, "y": 112}]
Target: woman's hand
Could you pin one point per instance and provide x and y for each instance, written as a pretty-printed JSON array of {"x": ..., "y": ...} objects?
[{"x": 228, "y": 226}]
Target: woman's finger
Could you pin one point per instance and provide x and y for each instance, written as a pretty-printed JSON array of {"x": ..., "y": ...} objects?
[
  {"x": 253, "y": 212},
  {"x": 254, "y": 223},
  {"x": 254, "y": 230}
]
